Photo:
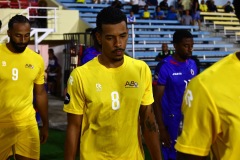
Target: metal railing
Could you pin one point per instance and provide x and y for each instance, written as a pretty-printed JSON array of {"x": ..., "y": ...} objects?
[{"x": 51, "y": 19}]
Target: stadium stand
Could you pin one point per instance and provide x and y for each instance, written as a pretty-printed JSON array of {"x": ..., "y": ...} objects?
[
  {"x": 236, "y": 35},
  {"x": 157, "y": 40},
  {"x": 218, "y": 14},
  {"x": 149, "y": 34},
  {"x": 230, "y": 31},
  {"x": 220, "y": 24},
  {"x": 212, "y": 18},
  {"x": 167, "y": 33}
]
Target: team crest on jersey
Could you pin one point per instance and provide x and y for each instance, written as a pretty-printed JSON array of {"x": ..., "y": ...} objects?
[
  {"x": 4, "y": 63},
  {"x": 192, "y": 71},
  {"x": 29, "y": 66},
  {"x": 131, "y": 84},
  {"x": 67, "y": 99}
]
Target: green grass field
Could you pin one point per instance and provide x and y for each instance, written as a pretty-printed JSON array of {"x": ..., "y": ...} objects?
[{"x": 54, "y": 148}]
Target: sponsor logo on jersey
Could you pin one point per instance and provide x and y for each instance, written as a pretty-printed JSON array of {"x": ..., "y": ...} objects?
[
  {"x": 131, "y": 84},
  {"x": 192, "y": 71},
  {"x": 67, "y": 99},
  {"x": 177, "y": 74},
  {"x": 4, "y": 63},
  {"x": 29, "y": 66}
]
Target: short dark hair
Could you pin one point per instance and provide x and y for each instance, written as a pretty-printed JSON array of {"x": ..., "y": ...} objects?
[
  {"x": 17, "y": 19},
  {"x": 51, "y": 50},
  {"x": 109, "y": 15},
  {"x": 236, "y": 4},
  {"x": 179, "y": 35}
]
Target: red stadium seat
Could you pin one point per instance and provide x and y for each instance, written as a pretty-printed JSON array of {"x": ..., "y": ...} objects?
[
  {"x": 4, "y": 4},
  {"x": 14, "y": 4},
  {"x": 33, "y": 11},
  {"x": 23, "y": 4}
]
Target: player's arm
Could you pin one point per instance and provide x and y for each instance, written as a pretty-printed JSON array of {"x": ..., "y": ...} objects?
[
  {"x": 72, "y": 136},
  {"x": 158, "y": 91},
  {"x": 183, "y": 156},
  {"x": 42, "y": 107},
  {"x": 150, "y": 131}
]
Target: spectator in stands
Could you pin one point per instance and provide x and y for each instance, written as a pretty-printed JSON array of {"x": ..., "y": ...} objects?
[
  {"x": 196, "y": 13},
  {"x": 146, "y": 14},
  {"x": 179, "y": 4},
  {"x": 211, "y": 111},
  {"x": 108, "y": 100},
  {"x": 174, "y": 73},
  {"x": 42, "y": 22},
  {"x": 152, "y": 2},
  {"x": 164, "y": 6},
  {"x": 186, "y": 4},
  {"x": 92, "y": 51},
  {"x": 212, "y": 7},
  {"x": 53, "y": 70},
  {"x": 158, "y": 13},
  {"x": 208, "y": 2},
  {"x": 228, "y": 7},
  {"x": 172, "y": 14},
  {"x": 186, "y": 18},
  {"x": 117, "y": 4},
  {"x": 80, "y": 1},
  {"x": 164, "y": 52},
  {"x": 96, "y": 1},
  {"x": 131, "y": 18},
  {"x": 142, "y": 3},
  {"x": 180, "y": 8},
  {"x": 135, "y": 6},
  {"x": 203, "y": 7}
]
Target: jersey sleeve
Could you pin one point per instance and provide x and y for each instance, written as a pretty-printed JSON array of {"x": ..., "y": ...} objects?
[
  {"x": 201, "y": 123},
  {"x": 41, "y": 73},
  {"x": 162, "y": 75},
  {"x": 148, "y": 93},
  {"x": 74, "y": 100},
  {"x": 156, "y": 72}
]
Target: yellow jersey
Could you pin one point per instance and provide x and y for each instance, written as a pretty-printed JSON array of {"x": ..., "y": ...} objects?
[
  {"x": 109, "y": 100},
  {"x": 211, "y": 109},
  {"x": 18, "y": 73}
]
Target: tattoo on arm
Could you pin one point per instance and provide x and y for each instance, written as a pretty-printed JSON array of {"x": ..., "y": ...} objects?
[
  {"x": 151, "y": 126},
  {"x": 147, "y": 121}
]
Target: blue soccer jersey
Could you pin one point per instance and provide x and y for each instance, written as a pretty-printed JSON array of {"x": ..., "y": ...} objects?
[{"x": 174, "y": 76}]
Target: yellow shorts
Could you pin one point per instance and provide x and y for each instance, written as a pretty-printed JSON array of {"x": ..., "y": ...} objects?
[{"x": 21, "y": 140}]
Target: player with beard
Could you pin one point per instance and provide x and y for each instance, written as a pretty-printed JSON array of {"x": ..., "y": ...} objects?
[
  {"x": 175, "y": 72},
  {"x": 109, "y": 100},
  {"x": 21, "y": 74},
  {"x": 211, "y": 109}
]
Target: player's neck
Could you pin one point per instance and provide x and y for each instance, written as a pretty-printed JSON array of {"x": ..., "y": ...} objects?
[
  {"x": 108, "y": 63},
  {"x": 178, "y": 58}
]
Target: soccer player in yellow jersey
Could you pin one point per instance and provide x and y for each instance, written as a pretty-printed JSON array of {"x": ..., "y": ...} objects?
[
  {"x": 21, "y": 73},
  {"x": 211, "y": 108},
  {"x": 109, "y": 99}
]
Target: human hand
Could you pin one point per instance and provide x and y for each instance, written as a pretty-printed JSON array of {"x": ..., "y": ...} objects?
[
  {"x": 43, "y": 134},
  {"x": 165, "y": 138}
]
